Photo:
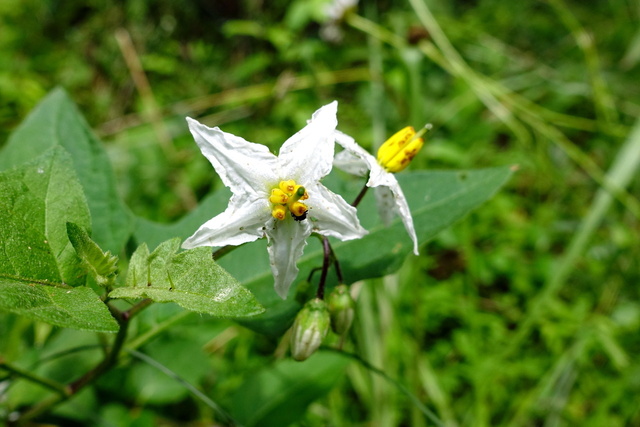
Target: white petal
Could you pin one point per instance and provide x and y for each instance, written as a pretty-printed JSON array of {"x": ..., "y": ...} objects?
[
  {"x": 366, "y": 159},
  {"x": 331, "y": 216},
  {"x": 386, "y": 204},
  {"x": 350, "y": 163},
  {"x": 243, "y": 221},
  {"x": 401, "y": 205},
  {"x": 350, "y": 144},
  {"x": 379, "y": 177},
  {"x": 242, "y": 165},
  {"x": 308, "y": 155},
  {"x": 287, "y": 239}
]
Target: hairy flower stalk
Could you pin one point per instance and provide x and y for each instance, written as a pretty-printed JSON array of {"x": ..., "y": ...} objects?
[{"x": 277, "y": 197}]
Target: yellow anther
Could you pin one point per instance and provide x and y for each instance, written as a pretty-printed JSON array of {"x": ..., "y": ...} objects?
[
  {"x": 278, "y": 196},
  {"x": 393, "y": 145},
  {"x": 398, "y": 151},
  {"x": 279, "y": 212},
  {"x": 287, "y": 186},
  {"x": 298, "y": 208},
  {"x": 404, "y": 157},
  {"x": 285, "y": 198}
]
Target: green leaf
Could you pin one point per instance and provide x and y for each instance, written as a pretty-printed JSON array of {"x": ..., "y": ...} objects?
[
  {"x": 437, "y": 199},
  {"x": 78, "y": 308},
  {"x": 36, "y": 201},
  {"x": 57, "y": 122},
  {"x": 191, "y": 279},
  {"x": 37, "y": 262},
  {"x": 102, "y": 266},
  {"x": 279, "y": 395}
]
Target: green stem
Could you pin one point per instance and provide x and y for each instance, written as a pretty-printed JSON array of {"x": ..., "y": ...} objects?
[
  {"x": 621, "y": 173},
  {"x": 404, "y": 390},
  {"x": 222, "y": 252},
  {"x": 109, "y": 361},
  {"x": 225, "y": 417},
  {"x": 326, "y": 249},
  {"x": 156, "y": 330},
  {"x": 360, "y": 196},
  {"x": 126, "y": 315},
  {"x": 507, "y": 105},
  {"x": 50, "y": 384},
  {"x": 336, "y": 264}
]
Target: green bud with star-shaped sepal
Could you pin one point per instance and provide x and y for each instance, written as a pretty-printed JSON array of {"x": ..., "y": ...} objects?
[
  {"x": 341, "y": 309},
  {"x": 309, "y": 329}
]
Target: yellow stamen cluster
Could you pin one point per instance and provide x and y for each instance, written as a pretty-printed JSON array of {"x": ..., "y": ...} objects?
[
  {"x": 398, "y": 151},
  {"x": 286, "y": 197}
]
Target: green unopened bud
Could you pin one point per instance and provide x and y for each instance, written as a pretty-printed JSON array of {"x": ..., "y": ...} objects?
[
  {"x": 309, "y": 329},
  {"x": 341, "y": 309}
]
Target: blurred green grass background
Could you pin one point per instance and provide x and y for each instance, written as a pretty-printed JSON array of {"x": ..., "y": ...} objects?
[{"x": 526, "y": 313}]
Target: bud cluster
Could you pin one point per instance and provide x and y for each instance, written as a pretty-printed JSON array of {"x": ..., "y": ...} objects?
[{"x": 312, "y": 322}]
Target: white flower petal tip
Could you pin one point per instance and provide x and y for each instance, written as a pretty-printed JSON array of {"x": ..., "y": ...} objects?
[
  {"x": 358, "y": 161},
  {"x": 277, "y": 197}
]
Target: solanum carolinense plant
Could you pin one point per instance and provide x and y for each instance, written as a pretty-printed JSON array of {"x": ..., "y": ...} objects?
[{"x": 74, "y": 256}]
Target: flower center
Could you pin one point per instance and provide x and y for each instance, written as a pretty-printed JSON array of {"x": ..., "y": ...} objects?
[
  {"x": 398, "y": 151},
  {"x": 286, "y": 197}
]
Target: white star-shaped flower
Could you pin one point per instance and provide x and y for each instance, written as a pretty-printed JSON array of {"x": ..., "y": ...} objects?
[
  {"x": 279, "y": 197},
  {"x": 394, "y": 155}
]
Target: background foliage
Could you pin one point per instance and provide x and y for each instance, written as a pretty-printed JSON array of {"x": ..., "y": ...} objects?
[{"x": 527, "y": 312}]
